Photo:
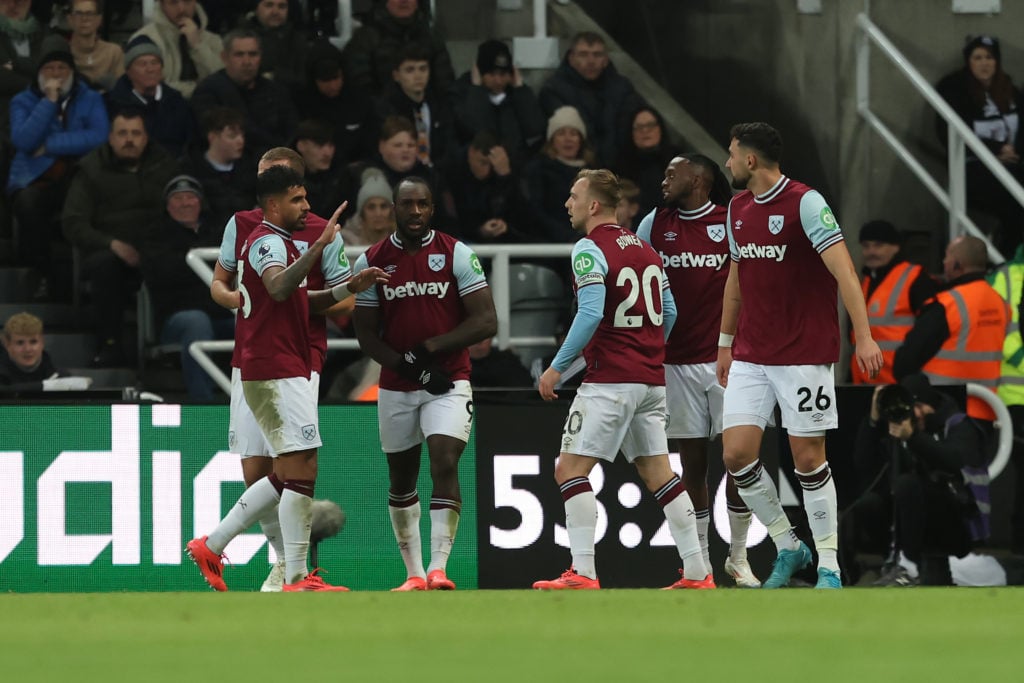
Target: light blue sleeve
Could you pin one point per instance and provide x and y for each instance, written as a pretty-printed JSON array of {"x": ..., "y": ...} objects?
[
  {"x": 819, "y": 223},
  {"x": 267, "y": 251},
  {"x": 589, "y": 266},
  {"x": 734, "y": 251},
  {"x": 334, "y": 263},
  {"x": 584, "y": 325},
  {"x": 228, "y": 259},
  {"x": 469, "y": 274},
  {"x": 643, "y": 231},
  {"x": 367, "y": 297},
  {"x": 669, "y": 312}
]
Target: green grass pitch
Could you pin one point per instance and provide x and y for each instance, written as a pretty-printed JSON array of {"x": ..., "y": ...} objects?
[{"x": 867, "y": 635}]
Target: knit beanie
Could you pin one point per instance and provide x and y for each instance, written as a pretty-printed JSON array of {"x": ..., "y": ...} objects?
[
  {"x": 139, "y": 46},
  {"x": 55, "y": 49},
  {"x": 566, "y": 117},
  {"x": 374, "y": 185},
  {"x": 880, "y": 231}
]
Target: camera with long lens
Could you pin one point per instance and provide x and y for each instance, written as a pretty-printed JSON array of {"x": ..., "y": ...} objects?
[{"x": 895, "y": 403}]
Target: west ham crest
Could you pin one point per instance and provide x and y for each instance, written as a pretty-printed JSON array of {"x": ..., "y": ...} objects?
[
  {"x": 436, "y": 262},
  {"x": 716, "y": 232},
  {"x": 775, "y": 224}
]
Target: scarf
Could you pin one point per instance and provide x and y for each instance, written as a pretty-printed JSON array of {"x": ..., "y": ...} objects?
[{"x": 19, "y": 29}]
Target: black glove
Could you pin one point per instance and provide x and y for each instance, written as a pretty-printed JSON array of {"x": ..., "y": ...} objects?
[
  {"x": 413, "y": 363},
  {"x": 416, "y": 366}
]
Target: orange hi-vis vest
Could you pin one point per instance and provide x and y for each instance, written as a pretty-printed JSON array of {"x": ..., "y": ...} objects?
[
  {"x": 976, "y": 316},
  {"x": 890, "y": 317}
]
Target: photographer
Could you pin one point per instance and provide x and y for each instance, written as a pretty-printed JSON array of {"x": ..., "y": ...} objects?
[{"x": 918, "y": 450}]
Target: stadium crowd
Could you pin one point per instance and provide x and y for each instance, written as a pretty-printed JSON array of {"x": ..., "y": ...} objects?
[{"x": 120, "y": 158}]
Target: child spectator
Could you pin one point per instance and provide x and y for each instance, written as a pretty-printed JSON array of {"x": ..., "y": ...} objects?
[{"x": 26, "y": 366}]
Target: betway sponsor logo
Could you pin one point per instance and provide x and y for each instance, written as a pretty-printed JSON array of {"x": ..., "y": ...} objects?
[
  {"x": 438, "y": 289},
  {"x": 690, "y": 260},
  {"x": 775, "y": 252}
]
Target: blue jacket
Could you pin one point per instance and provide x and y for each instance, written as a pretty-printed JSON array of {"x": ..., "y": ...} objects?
[{"x": 35, "y": 122}]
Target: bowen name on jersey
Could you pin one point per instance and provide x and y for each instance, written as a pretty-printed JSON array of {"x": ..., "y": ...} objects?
[
  {"x": 776, "y": 252},
  {"x": 413, "y": 288},
  {"x": 691, "y": 260}
]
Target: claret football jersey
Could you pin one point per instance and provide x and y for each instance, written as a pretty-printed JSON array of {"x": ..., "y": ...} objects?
[
  {"x": 694, "y": 252},
  {"x": 423, "y": 298},
  {"x": 789, "y": 313}
]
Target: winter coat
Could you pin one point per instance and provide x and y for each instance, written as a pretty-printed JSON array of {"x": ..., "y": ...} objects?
[
  {"x": 35, "y": 122},
  {"x": 169, "y": 120},
  {"x": 107, "y": 201},
  {"x": 603, "y": 103},
  {"x": 370, "y": 54},
  {"x": 205, "y": 55}
]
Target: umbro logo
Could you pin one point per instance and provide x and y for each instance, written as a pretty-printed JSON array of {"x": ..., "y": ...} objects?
[{"x": 820, "y": 515}]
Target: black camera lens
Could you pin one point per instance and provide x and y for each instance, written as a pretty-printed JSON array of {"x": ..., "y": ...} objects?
[{"x": 895, "y": 403}]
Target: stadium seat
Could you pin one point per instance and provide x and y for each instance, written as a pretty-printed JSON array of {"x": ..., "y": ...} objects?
[
  {"x": 537, "y": 298},
  {"x": 149, "y": 346}
]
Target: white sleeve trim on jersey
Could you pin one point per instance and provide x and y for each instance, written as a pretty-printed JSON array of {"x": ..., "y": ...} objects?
[
  {"x": 474, "y": 288},
  {"x": 818, "y": 222},
  {"x": 734, "y": 252}
]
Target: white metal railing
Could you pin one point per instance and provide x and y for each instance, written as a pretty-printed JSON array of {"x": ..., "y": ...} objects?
[
  {"x": 960, "y": 136},
  {"x": 500, "y": 255}
]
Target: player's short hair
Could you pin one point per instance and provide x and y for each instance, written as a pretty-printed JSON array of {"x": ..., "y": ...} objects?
[
  {"x": 393, "y": 125},
  {"x": 761, "y": 138},
  {"x": 588, "y": 37},
  {"x": 603, "y": 185},
  {"x": 275, "y": 181},
  {"x": 98, "y": 3},
  {"x": 719, "y": 190},
  {"x": 287, "y": 155},
  {"x": 216, "y": 119},
  {"x": 239, "y": 34},
  {"x": 24, "y": 324},
  {"x": 412, "y": 180}
]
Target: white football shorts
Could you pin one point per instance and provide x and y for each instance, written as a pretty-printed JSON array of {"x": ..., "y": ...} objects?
[
  {"x": 806, "y": 395},
  {"x": 286, "y": 412},
  {"x": 694, "y": 401},
  {"x": 406, "y": 418},
  {"x": 244, "y": 434},
  {"x": 606, "y": 418}
]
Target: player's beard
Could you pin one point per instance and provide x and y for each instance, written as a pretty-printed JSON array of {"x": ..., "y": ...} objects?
[{"x": 740, "y": 183}]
